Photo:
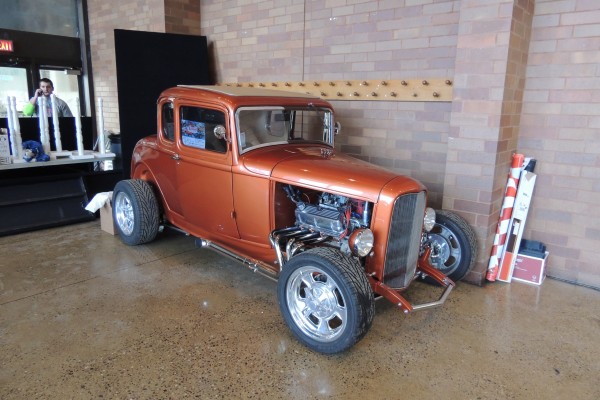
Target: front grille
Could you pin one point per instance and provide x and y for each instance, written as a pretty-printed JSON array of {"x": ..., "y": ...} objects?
[{"x": 404, "y": 240}]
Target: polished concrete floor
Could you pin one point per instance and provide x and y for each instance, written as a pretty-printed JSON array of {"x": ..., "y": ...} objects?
[{"x": 83, "y": 316}]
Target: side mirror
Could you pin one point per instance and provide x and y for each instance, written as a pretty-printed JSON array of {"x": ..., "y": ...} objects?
[
  {"x": 337, "y": 128},
  {"x": 220, "y": 132}
]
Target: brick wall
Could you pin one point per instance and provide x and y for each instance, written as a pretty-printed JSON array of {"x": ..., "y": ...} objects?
[
  {"x": 182, "y": 16},
  {"x": 559, "y": 127},
  {"x": 104, "y": 16},
  {"x": 488, "y": 89}
]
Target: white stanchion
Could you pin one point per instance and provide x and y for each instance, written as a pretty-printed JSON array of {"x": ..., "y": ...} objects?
[
  {"x": 80, "y": 153},
  {"x": 41, "y": 106},
  {"x": 11, "y": 129},
  {"x": 43, "y": 123},
  {"x": 57, "y": 136},
  {"x": 17, "y": 132},
  {"x": 101, "y": 139}
]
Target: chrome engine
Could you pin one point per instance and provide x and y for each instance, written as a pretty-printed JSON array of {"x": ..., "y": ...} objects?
[{"x": 331, "y": 215}]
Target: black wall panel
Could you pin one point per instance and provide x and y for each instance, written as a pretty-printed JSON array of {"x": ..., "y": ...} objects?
[{"x": 147, "y": 64}]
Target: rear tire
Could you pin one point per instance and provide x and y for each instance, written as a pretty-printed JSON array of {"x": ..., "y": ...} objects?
[
  {"x": 135, "y": 211},
  {"x": 326, "y": 300}
]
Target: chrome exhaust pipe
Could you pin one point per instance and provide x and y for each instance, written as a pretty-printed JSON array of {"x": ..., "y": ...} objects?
[{"x": 254, "y": 265}]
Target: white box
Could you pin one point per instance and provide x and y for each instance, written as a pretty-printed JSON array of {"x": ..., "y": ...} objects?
[{"x": 530, "y": 269}]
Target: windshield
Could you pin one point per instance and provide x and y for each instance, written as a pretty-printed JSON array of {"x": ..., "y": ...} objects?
[{"x": 265, "y": 126}]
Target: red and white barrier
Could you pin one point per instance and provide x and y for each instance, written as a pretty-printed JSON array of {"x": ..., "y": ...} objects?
[
  {"x": 516, "y": 226},
  {"x": 505, "y": 214}
]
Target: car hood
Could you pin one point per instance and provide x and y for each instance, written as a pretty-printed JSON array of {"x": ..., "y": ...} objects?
[{"x": 320, "y": 169}]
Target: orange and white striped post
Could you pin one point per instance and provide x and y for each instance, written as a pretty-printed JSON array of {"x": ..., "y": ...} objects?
[{"x": 505, "y": 214}]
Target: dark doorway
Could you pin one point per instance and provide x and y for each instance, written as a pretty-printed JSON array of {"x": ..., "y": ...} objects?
[{"x": 147, "y": 64}]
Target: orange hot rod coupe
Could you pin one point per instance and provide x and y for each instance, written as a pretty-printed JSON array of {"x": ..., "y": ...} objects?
[{"x": 252, "y": 173}]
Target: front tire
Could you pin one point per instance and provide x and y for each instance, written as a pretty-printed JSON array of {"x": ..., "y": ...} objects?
[
  {"x": 453, "y": 245},
  {"x": 326, "y": 300},
  {"x": 135, "y": 211}
]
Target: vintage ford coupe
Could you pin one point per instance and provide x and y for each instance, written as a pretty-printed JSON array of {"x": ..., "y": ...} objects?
[{"x": 253, "y": 174}]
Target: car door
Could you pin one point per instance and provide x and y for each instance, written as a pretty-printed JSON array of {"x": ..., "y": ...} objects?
[
  {"x": 164, "y": 164},
  {"x": 204, "y": 178}
]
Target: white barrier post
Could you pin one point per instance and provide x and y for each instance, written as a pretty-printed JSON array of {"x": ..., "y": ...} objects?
[
  {"x": 17, "y": 131},
  {"x": 101, "y": 138},
  {"x": 11, "y": 129},
  {"x": 80, "y": 153},
  {"x": 78, "y": 128},
  {"x": 55, "y": 124},
  {"x": 43, "y": 122}
]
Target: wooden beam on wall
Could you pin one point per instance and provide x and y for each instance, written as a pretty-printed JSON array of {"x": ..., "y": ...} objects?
[{"x": 369, "y": 90}]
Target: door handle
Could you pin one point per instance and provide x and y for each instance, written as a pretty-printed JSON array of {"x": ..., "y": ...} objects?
[{"x": 176, "y": 157}]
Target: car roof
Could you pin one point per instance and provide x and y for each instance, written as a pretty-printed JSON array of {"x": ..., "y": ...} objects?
[{"x": 249, "y": 91}]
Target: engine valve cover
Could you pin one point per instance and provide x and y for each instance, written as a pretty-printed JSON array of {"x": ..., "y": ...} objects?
[{"x": 328, "y": 222}]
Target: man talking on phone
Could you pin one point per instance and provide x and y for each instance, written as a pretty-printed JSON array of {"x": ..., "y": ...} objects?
[{"x": 46, "y": 89}]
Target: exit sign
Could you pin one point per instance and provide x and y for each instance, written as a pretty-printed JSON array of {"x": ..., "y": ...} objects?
[{"x": 6, "y": 45}]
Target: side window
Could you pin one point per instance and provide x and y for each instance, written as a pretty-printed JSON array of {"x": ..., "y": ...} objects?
[
  {"x": 198, "y": 127},
  {"x": 168, "y": 121}
]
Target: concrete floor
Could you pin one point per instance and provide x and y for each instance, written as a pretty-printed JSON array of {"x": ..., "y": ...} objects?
[{"x": 83, "y": 316}]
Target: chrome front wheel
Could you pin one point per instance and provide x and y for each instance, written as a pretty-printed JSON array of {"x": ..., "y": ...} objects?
[
  {"x": 325, "y": 299},
  {"x": 316, "y": 304}
]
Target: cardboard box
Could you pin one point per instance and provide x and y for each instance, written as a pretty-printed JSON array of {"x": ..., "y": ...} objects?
[
  {"x": 106, "y": 219},
  {"x": 530, "y": 269}
]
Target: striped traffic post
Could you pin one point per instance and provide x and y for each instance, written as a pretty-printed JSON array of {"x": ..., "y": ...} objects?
[{"x": 505, "y": 213}]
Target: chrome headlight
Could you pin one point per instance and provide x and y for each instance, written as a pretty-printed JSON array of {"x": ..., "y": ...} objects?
[
  {"x": 361, "y": 242},
  {"x": 429, "y": 220}
]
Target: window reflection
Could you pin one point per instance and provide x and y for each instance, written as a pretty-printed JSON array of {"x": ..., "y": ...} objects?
[{"x": 66, "y": 87}]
